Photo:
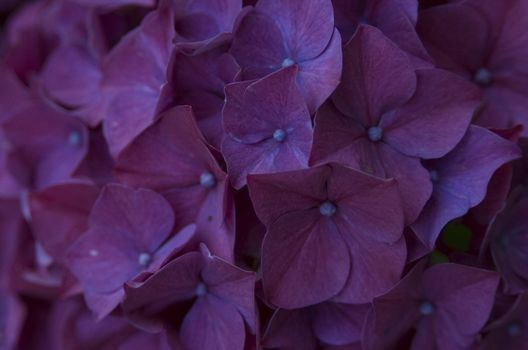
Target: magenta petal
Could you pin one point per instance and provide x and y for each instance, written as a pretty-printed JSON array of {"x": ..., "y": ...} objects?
[
  {"x": 142, "y": 216},
  {"x": 377, "y": 77},
  {"x": 175, "y": 282},
  {"x": 435, "y": 119},
  {"x": 232, "y": 285},
  {"x": 306, "y": 25},
  {"x": 464, "y": 174},
  {"x": 12, "y": 317},
  {"x": 173, "y": 142},
  {"x": 469, "y": 291},
  {"x": 261, "y": 107},
  {"x": 304, "y": 260},
  {"x": 367, "y": 203},
  {"x": 369, "y": 276},
  {"x": 319, "y": 77},
  {"x": 212, "y": 324},
  {"x": 133, "y": 82},
  {"x": 462, "y": 47},
  {"x": 268, "y": 127},
  {"x": 339, "y": 324},
  {"x": 51, "y": 144},
  {"x": 413, "y": 180},
  {"x": 103, "y": 268},
  {"x": 258, "y": 45},
  {"x": 268, "y": 190},
  {"x": 14, "y": 94},
  {"x": 290, "y": 329},
  {"x": 102, "y": 304},
  {"x": 71, "y": 77},
  {"x": 59, "y": 215}
]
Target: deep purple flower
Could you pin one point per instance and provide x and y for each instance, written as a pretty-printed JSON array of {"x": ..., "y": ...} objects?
[
  {"x": 331, "y": 231},
  {"x": 395, "y": 18},
  {"x": 446, "y": 305},
  {"x": 509, "y": 332},
  {"x": 70, "y": 325},
  {"x": 278, "y": 34},
  {"x": 460, "y": 179},
  {"x": 197, "y": 76},
  {"x": 46, "y": 145},
  {"x": 385, "y": 116},
  {"x": 129, "y": 232},
  {"x": 134, "y": 73},
  {"x": 115, "y": 3},
  {"x": 507, "y": 238},
  {"x": 485, "y": 42},
  {"x": 59, "y": 215},
  {"x": 216, "y": 297},
  {"x": 171, "y": 157},
  {"x": 12, "y": 317},
  {"x": 329, "y": 323},
  {"x": 268, "y": 127},
  {"x": 200, "y": 20}
]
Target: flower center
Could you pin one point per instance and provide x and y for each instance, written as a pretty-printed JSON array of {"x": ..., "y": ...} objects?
[
  {"x": 144, "y": 259},
  {"x": 279, "y": 135},
  {"x": 514, "y": 328},
  {"x": 375, "y": 133},
  {"x": 287, "y": 62},
  {"x": 201, "y": 289},
  {"x": 482, "y": 76},
  {"x": 327, "y": 209},
  {"x": 426, "y": 308},
  {"x": 74, "y": 138},
  {"x": 434, "y": 176},
  {"x": 207, "y": 180}
]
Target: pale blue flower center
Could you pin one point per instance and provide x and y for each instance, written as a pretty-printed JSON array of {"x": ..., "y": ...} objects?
[
  {"x": 514, "y": 328},
  {"x": 201, "y": 289},
  {"x": 482, "y": 76},
  {"x": 327, "y": 208},
  {"x": 74, "y": 138},
  {"x": 288, "y": 62},
  {"x": 426, "y": 308},
  {"x": 207, "y": 180},
  {"x": 144, "y": 259},
  {"x": 279, "y": 135},
  {"x": 434, "y": 176},
  {"x": 375, "y": 133}
]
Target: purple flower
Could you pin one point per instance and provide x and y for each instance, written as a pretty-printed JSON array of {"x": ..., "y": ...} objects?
[
  {"x": 507, "y": 238},
  {"x": 171, "y": 157},
  {"x": 331, "y": 231},
  {"x": 197, "y": 76},
  {"x": 385, "y": 116},
  {"x": 446, "y": 305},
  {"x": 12, "y": 317},
  {"x": 460, "y": 179},
  {"x": 395, "y": 18},
  {"x": 46, "y": 145},
  {"x": 200, "y": 20},
  {"x": 328, "y": 323},
  {"x": 59, "y": 215},
  {"x": 215, "y": 297},
  {"x": 134, "y": 73},
  {"x": 70, "y": 325},
  {"x": 268, "y": 127},
  {"x": 484, "y": 42},
  {"x": 278, "y": 34},
  {"x": 129, "y": 232},
  {"x": 509, "y": 331}
]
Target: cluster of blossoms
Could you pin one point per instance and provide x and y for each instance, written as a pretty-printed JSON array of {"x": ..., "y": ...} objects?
[{"x": 271, "y": 174}]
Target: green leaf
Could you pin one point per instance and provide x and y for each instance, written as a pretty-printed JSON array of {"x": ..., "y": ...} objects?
[{"x": 456, "y": 236}]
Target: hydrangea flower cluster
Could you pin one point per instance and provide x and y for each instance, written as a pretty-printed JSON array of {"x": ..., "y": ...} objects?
[{"x": 271, "y": 174}]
